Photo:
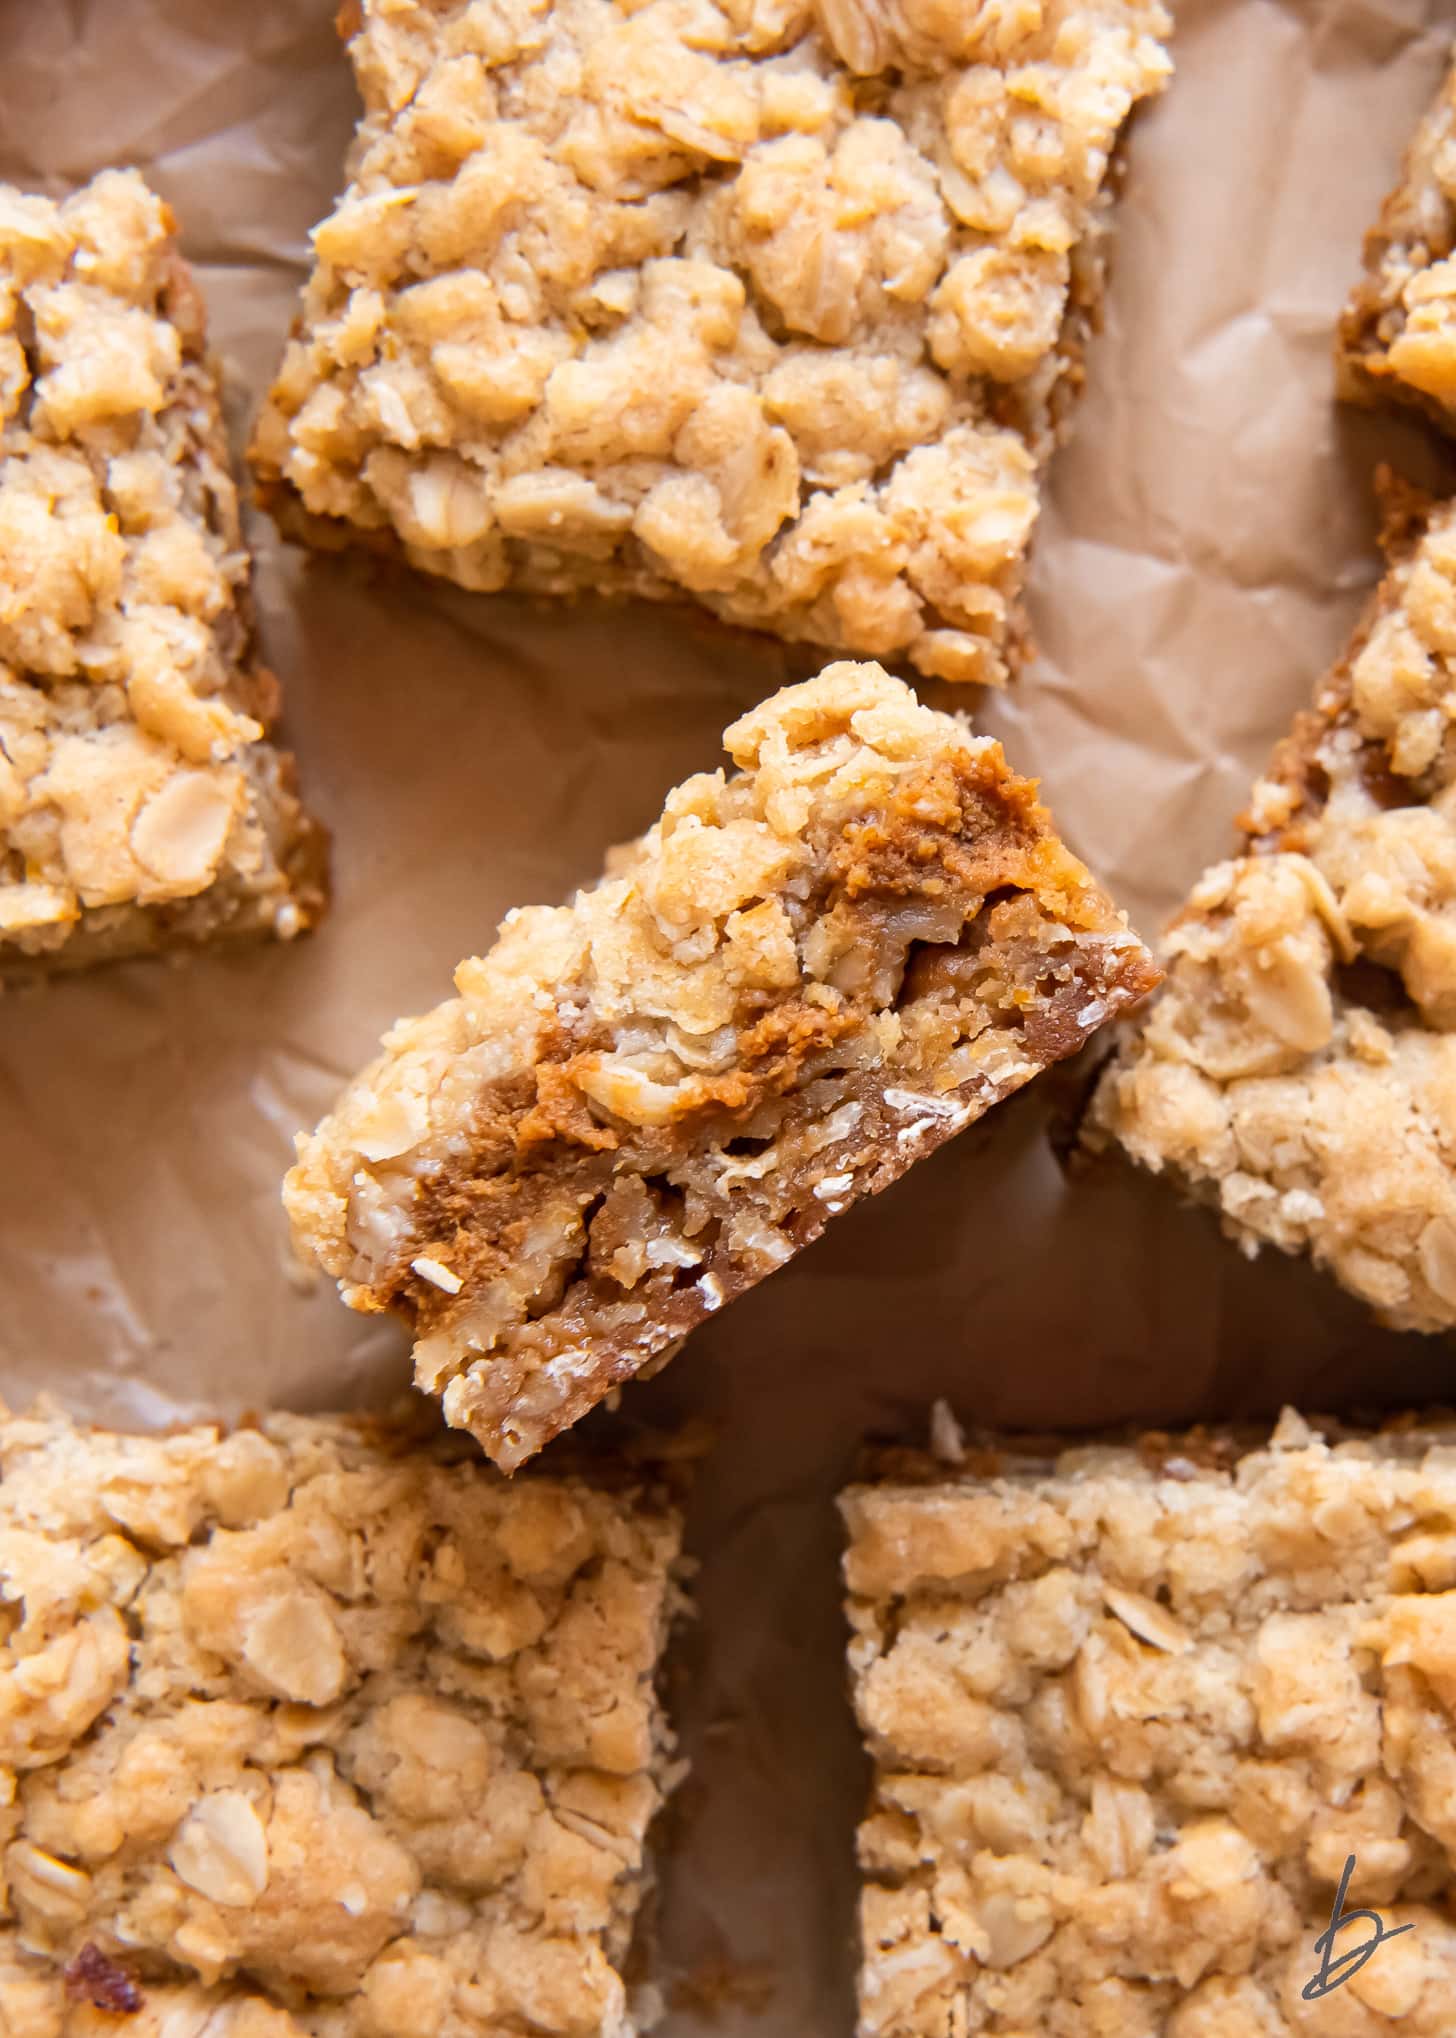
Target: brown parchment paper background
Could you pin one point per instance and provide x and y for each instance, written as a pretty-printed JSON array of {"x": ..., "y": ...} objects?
[{"x": 1206, "y": 544}]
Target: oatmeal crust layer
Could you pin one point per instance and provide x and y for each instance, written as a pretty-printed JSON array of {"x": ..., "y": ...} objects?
[
  {"x": 1299, "y": 1069},
  {"x": 805, "y": 977},
  {"x": 140, "y": 806},
  {"x": 310, "y": 1731},
  {"x": 1130, "y": 1711},
  {"x": 1397, "y": 337},
  {"x": 776, "y": 304}
]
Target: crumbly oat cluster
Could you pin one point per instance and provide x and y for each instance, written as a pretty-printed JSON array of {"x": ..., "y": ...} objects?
[
  {"x": 800, "y": 981},
  {"x": 1130, "y": 1715},
  {"x": 775, "y": 302},
  {"x": 1397, "y": 338},
  {"x": 307, "y": 1731},
  {"x": 1299, "y": 1069},
  {"x": 139, "y": 805}
]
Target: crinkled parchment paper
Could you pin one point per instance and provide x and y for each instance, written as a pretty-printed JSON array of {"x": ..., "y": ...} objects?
[{"x": 1208, "y": 539}]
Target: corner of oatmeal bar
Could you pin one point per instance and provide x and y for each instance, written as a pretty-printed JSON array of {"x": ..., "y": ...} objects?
[
  {"x": 315, "y": 1727},
  {"x": 804, "y": 978},
  {"x": 777, "y": 306},
  {"x": 140, "y": 805},
  {"x": 1397, "y": 338},
  {"x": 1131, "y": 1709},
  {"x": 1298, "y": 1071}
]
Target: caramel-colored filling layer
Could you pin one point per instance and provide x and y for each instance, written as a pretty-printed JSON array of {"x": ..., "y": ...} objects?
[{"x": 588, "y": 1250}]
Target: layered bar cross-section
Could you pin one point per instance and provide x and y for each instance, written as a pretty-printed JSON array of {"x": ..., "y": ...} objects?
[{"x": 803, "y": 978}]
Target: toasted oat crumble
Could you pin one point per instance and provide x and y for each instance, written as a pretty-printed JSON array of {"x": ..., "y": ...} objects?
[
  {"x": 1129, "y": 1721},
  {"x": 776, "y": 304},
  {"x": 1397, "y": 338},
  {"x": 802, "y": 979},
  {"x": 1299, "y": 1069},
  {"x": 139, "y": 804},
  {"x": 309, "y": 1732}
]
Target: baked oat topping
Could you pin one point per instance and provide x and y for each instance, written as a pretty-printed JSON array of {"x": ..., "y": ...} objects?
[
  {"x": 307, "y": 1732},
  {"x": 805, "y": 977},
  {"x": 139, "y": 803},
  {"x": 1397, "y": 338},
  {"x": 1127, "y": 1729},
  {"x": 774, "y": 304},
  {"x": 1299, "y": 1069}
]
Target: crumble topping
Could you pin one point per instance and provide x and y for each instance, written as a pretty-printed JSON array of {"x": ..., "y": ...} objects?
[
  {"x": 803, "y": 978},
  {"x": 133, "y": 776},
  {"x": 1299, "y": 1068},
  {"x": 1128, "y": 1722},
  {"x": 302, "y": 1731},
  {"x": 773, "y": 304}
]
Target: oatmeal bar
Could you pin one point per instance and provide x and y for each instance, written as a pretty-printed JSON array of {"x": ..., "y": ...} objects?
[
  {"x": 801, "y": 980},
  {"x": 140, "y": 807},
  {"x": 309, "y": 1731},
  {"x": 1299, "y": 1070},
  {"x": 777, "y": 304},
  {"x": 1130, "y": 1712},
  {"x": 1397, "y": 338}
]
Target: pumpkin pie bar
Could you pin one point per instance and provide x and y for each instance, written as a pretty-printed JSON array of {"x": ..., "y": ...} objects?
[
  {"x": 1299, "y": 1070},
  {"x": 777, "y": 306},
  {"x": 140, "y": 805},
  {"x": 1132, "y": 1710},
  {"x": 313, "y": 1727},
  {"x": 801, "y": 980},
  {"x": 1397, "y": 338}
]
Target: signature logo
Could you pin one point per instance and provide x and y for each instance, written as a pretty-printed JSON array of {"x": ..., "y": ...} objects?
[{"x": 1335, "y": 1969}]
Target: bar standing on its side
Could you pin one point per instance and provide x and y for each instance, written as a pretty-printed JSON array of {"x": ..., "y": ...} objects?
[{"x": 804, "y": 978}]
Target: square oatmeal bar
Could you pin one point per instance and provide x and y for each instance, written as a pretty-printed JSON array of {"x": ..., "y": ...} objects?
[
  {"x": 140, "y": 806},
  {"x": 801, "y": 980},
  {"x": 1299, "y": 1070},
  {"x": 313, "y": 1729},
  {"x": 774, "y": 303},
  {"x": 1131, "y": 1710},
  {"x": 1397, "y": 338}
]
